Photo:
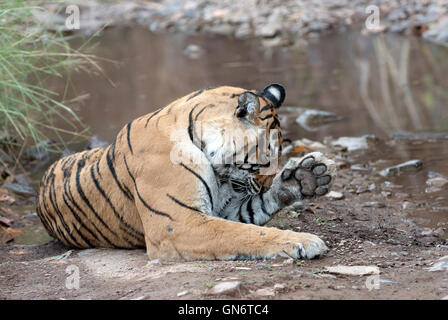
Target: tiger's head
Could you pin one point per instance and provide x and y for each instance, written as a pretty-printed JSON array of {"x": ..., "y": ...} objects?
[{"x": 243, "y": 139}]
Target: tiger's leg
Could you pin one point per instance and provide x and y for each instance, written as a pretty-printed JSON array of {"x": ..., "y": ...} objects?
[
  {"x": 301, "y": 178},
  {"x": 177, "y": 225}
]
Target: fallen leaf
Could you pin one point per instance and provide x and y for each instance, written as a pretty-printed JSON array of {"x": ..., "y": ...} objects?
[{"x": 301, "y": 150}]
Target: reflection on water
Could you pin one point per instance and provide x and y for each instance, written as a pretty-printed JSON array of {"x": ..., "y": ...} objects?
[{"x": 379, "y": 85}]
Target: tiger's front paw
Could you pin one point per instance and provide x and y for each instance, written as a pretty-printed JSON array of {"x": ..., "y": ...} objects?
[
  {"x": 305, "y": 246},
  {"x": 307, "y": 177}
]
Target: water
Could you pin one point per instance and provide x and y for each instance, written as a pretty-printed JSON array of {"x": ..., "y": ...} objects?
[{"x": 377, "y": 84}]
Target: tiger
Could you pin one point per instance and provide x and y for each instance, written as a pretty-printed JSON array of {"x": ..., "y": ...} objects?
[{"x": 171, "y": 183}]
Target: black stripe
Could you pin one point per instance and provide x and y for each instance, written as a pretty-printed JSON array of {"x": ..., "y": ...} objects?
[
  {"x": 265, "y": 108},
  {"x": 81, "y": 193},
  {"x": 183, "y": 204},
  {"x": 250, "y": 211},
  {"x": 240, "y": 216},
  {"x": 128, "y": 134},
  {"x": 85, "y": 239},
  {"x": 129, "y": 229},
  {"x": 203, "y": 182},
  {"x": 267, "y": 117},
  {"x": 140, "y": 197},
  {"x": 262, "y": 205},
  {"x": 151, "y": 116},
  {"x": 67, "y": 195},
  {"x": 49, "y": 185},
  {"x": 52, "y": 198},
  {"x": 54, "y": 226},
  {"x": 123, "y": 189},
  {"x": 191, "y": 123},
  {"x": 195, "y": 94}
]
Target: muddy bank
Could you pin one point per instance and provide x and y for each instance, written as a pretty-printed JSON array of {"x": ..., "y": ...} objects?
[
  {"x": 280, "y": 23},
  {"x": 366, "y": 221}
]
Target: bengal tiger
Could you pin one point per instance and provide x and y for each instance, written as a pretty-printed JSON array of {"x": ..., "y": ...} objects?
[{"x": 170, "y": 183}]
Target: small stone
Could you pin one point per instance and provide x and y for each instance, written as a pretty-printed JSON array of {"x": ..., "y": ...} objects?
[
  {"x": 437, "y": 182},
  {"x": 354, "y": 143},
  {"x": 20, "y": 189},
  {"x": 182, "y": 293},
  {"x": 279, "y": 286},
  {"x": 440, "y": 265},
  {"x": 405, "y": 167},
  {"x": 193, "y": 51},
  {"x": 243, "y": 268},
  {"x": 374, "y": 204},
  {"x": 155, "y": 261},
  {"x": 266, "y": 292},
  {"x": 226, "y": 288},
  {"x": 311, "y": 119},
  {"x": 353, "y": 270},
  {"x": 334, "y": 195},
  {"x": 96, "y": 142}
]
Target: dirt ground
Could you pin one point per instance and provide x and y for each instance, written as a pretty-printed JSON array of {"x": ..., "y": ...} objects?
[{"x": 362, "y": 229}]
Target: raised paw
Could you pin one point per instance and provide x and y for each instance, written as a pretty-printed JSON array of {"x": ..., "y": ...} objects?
[{"x": 310, "y": 176}]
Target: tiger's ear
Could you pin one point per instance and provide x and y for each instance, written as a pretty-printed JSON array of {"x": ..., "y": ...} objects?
[
  {"x": 248, "y": 105},
  {"x": 275, "y": 93}
]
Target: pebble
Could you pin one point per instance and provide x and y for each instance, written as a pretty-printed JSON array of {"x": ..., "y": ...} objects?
[
  {"x": 374, "y": 204},
  {"x": 265, "y": 292},
  {"x": 354, "y": 143},
  {"x": 20, "y": 189},
  {"x": 440, "y": 265},
  {"x": 405, "y": 167},
  {"x": 334, "y": 195},
  {"x": 311, "y": 119},
  {"x": 229, "y": 288},
  {"x": 182, "y": 293},
  {"x": 96, "y": 142},
  {"x": 353, "y": 270},
  {"x": 437, "y": 182}
]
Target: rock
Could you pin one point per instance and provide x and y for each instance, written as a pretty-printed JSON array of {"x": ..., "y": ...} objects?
[
  {"x": 420, "y": 136},
  {"x": 20, "y": 189},
  {"x": 432, "y": 189},
  {"x": 152, "y": 262},
  {"x": 354, "y": 143},
  {"x": 32, "y": 216},
  {"x": 39, "y": 152},
  {"x": 22, "y": 179},
  {"x": 312, "y": 119},
  {"x": 96, "y": 142},
  {"x": 279, "y": 286},
  {"x": 67, "y": 152},
  {"x": 193, "y": 51},
  {"x": 439, "y": 232},
  {"x": 373, "y": 204},
  {"x": 445, "y": 298},
  {"x": 440, "y": 265},
  {"x": 5, "y": 158},
  {"x": 182, "y": 293},
  {"x": 227, "y": 288},
  {"x": 265, "y": 292},
  {"x": 405, "y": 167},
  {"x": 353, "y": 270},
  {"x": 437, "y": 182},
  {"x": 334, "y": 195}
]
